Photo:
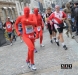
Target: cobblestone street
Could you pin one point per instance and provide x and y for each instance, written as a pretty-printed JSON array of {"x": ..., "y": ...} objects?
[{"x": 48, "y": 60}]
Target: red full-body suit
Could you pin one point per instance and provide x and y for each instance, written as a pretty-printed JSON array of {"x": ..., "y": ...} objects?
[
  {"x": 28, "y": 24},
  {"x": 40, "y": 25}
]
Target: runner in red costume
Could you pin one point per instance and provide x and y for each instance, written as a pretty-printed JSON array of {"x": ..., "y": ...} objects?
[
  {"x": 28, "y": 23},
  {"x": 40, "y": 26}
]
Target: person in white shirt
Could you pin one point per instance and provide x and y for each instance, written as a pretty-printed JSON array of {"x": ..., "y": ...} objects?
[{"x": 58, "y": 17}]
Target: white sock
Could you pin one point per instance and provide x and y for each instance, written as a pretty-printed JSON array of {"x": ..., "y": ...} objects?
[
  {"x": 54, "y": 39},
  {"x": 63, "y": 44},
  {"x": 57, "y": 40}
]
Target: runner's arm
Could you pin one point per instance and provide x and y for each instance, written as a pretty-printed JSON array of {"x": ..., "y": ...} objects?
[
  {"x": 64, "y": 16},
  {"x": 18, "y": 20},
  {"x": 50, "y": 18},
  {"x": 4, "y": 26},
  {"x": 42, "y": 23},
  {"x": 33, "y": 22}
]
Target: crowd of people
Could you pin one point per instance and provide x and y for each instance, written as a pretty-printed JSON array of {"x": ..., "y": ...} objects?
[{"x": 30, "y": 27}]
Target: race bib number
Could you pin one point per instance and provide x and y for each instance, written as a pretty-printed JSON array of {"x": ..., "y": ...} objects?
[
  {"x": 19, "y": 28},
  {"x": 38, "y": 28},
  {"x": 69, "y": 16},
  {"x": 8, "y": 26},
  {"x": 29, "y": 29}
]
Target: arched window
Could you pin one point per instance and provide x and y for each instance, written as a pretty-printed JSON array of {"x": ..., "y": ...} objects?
[
  {"x": 13, "y": 12},
  {"x": 4, "y": 13},
  {"x": 10, "y": 12}
]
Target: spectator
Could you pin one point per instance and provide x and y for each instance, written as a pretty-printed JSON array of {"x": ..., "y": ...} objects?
[
  {"x": 67, "y": 10},
  {"x": 76, "y": 17}
]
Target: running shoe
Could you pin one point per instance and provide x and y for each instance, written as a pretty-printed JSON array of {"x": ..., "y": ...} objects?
[
  {"x": 54, "y": 39},
  {"x": 57, "y": 43},
  {"x": 51, "y": 41},
  {"x": 72, "y": 37},
  {"x": 33, "y": 67},
  {"x": 41, "y": 45},
  {"x": 11, "y": 44},
  {"x": 21, "y": 41},
  {"x": 67, "y": 34},
  {"x": 28, "y": 64},
  {"x": 65, "y": 47},
  {"x": 35, "y": 50}
]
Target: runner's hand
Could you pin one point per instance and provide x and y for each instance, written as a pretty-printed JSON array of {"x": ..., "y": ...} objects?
[
  {"x": 62, "y": 19},
  {"x": 18, "y": 33},
  {"x": 4, "y": 27},
  {"x": 51, "y": 22}
]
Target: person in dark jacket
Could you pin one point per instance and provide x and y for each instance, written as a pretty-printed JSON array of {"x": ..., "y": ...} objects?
[{"x": 76, "y": 17}]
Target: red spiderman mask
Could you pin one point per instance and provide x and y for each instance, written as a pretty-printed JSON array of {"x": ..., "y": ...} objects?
[
  {"x": 26, "y": 11},
  {"x": 36, "y": 11}
]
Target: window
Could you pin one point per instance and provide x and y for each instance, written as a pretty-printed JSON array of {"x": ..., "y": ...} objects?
[
  {"x": 14, "y": 15},
  {"x": 4, "y": 14},
  {"x": 10, "y": 13}
]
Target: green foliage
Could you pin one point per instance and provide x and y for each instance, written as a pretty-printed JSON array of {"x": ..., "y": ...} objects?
[{"x": 6, "y": 35}]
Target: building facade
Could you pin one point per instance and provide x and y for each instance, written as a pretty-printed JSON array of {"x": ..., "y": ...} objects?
[
  {"x": 60, "y": 2},
  {"x": 8, "y": 9},
  {"x": 33, "y": 4},
  {"x": 47, "y": 3},
  {"x": 19, "y": 6}
]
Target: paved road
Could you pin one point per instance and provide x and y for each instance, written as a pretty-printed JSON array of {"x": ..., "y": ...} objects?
[
  {"x": 76, "y": 38},
  {"x": 48, "y": 59}
]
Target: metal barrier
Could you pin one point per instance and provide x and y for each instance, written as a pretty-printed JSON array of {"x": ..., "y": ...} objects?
[{"x": 2, "y": 37}]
